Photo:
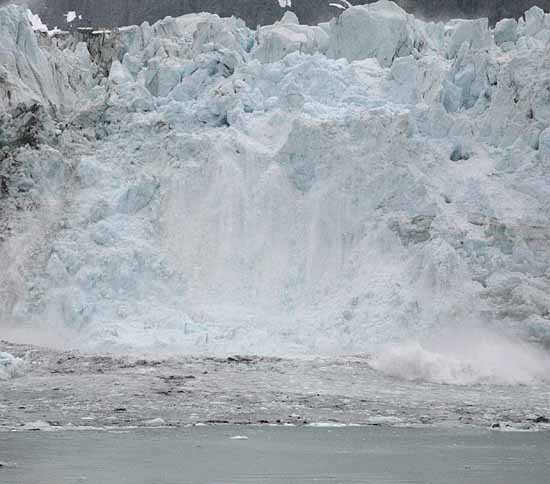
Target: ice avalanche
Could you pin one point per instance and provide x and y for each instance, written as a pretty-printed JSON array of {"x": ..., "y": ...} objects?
[{"x": 198, "y": 186}]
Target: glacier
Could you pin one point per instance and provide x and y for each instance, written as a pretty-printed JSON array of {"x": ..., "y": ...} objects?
[{"x": 198, "y": 186}]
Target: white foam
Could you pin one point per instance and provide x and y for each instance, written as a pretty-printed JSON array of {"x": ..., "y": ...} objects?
[{"x": 465, "y": 357}]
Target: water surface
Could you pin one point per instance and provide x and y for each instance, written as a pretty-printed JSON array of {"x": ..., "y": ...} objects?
[{"x": 374, "y": 455}]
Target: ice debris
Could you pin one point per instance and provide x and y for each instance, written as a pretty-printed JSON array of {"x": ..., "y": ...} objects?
[
  {"x": 37, "y": 425},
  {"x": 11, "y": 366},
  {"x": 156, "y": 422}
]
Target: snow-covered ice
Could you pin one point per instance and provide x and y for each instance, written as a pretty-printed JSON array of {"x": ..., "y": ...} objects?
[{"x": 362, "y": 185}]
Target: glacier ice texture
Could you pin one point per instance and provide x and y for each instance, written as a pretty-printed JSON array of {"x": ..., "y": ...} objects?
[
  {"x": 198, "y": 186},
  {"x": 11, "y": 366}
]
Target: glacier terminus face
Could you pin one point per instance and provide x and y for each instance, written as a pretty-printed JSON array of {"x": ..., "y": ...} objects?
[{"x": 198, "y": 186}]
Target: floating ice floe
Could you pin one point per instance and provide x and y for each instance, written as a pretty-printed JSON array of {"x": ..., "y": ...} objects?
[
  {"x": 156, "y": 422},
  {"x": 327, "y": 424},
  {"x": 38, "y": 425}
]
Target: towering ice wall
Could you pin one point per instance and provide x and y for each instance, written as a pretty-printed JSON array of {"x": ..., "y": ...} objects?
[{"x": 200, "y": 186}]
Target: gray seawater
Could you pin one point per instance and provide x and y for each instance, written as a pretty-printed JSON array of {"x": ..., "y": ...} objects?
[{"x": 276, "y": 455}]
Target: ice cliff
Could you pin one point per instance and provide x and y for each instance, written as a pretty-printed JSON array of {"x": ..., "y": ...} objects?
[{"x": 200, "y": 186}]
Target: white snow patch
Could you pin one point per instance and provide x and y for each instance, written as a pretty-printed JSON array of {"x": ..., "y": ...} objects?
[
  {"x": 55, "y": 31},
  {"x": 36, "y": 22},
  {"x": 38, "y": 26},
  {"x": 239, "y": 437},
  {"x": 71, "y": 16}
]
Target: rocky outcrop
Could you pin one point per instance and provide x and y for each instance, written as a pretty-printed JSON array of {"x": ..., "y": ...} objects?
[{"x": 115, "y": 13}]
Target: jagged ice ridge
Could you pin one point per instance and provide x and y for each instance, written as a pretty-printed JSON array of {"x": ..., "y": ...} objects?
[{"x": 199, "y": 186}]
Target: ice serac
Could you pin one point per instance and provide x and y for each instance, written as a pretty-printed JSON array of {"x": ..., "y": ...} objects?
[
  {"x": 382, "y": 30},
  {"x": 29, "y": 73},
  {"x": 276, "y": 41},
  {"x": 200, "y": 186}
]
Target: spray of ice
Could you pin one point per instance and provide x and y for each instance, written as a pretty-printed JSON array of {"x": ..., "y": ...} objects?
[{"x": 465, "y": 356}]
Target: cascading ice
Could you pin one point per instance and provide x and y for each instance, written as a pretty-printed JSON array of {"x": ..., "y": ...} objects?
[{"x": 200, "y": 186}]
